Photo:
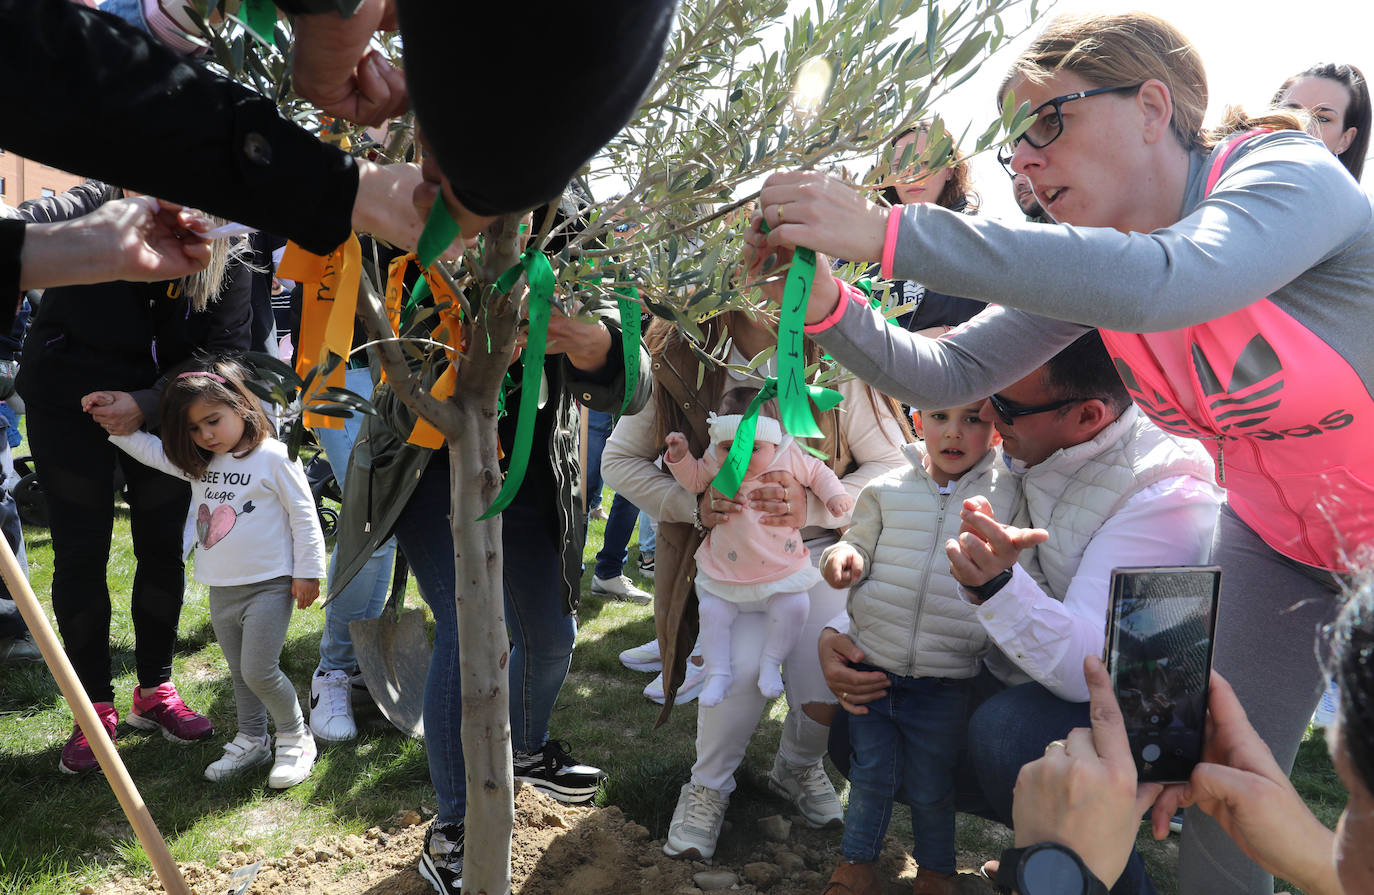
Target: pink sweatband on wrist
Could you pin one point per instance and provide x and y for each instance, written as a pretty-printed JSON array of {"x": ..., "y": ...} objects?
[
  {"x": 846, "y": 290},
  {"x": 894, "y": 220}
]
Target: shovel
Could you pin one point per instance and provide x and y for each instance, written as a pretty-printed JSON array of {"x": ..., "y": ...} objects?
[{"x": 393, "y": 652}]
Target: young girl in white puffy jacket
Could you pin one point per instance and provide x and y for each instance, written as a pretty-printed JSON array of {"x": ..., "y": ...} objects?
[{"x": 908, "y": 616}]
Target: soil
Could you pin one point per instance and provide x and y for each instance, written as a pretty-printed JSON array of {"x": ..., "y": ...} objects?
[{"x": 556, "y": 848}]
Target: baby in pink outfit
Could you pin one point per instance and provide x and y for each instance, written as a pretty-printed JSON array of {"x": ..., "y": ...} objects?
[{"x": 744, "y": 565}]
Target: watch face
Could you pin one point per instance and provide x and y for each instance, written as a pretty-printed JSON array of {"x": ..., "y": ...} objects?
[{"x": 1051, "y": 871}]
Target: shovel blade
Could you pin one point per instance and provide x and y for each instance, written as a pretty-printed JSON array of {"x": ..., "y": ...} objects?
[{"x": 394, "y": 658}]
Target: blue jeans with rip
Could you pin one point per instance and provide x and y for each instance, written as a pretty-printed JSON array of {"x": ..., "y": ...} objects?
[
  {"x": 620, "y": 522},
  {"x": 364, "y": 595},
  {"x": 542, "y": 636},
  {"x": 910, "y": 739}
]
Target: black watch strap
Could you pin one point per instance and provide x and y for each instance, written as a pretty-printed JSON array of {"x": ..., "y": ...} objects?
[
  {"x": 1012, "y": 878},
  {"x": 988, "y": 589}
]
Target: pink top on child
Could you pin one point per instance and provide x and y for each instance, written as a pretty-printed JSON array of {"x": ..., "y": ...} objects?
[{"x": 742, "y": 550}]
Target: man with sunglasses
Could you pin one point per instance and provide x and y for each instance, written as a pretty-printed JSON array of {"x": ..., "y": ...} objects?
[{"x": 1110, "y": 489}]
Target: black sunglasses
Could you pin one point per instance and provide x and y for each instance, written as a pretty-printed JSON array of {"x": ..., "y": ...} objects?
[
  {"x": 1048, "y": 126},
  {"x": 1008, "y": 413}
]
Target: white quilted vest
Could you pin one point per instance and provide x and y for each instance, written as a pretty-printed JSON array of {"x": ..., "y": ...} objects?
[
  {"x": 909, "y": 616},
  {"x": 1076, "y": 489}
]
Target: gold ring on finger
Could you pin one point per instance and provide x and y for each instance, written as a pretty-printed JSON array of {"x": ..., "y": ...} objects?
[
  {"x": 1056, "y": 744},
  {"x": 844, "y": 697},
  {"x": 782, "y": 219}
]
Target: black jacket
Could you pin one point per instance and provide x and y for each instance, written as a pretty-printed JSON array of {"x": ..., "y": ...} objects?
[
  {"x": 125, "y": 337},
  {"x": 151, "y": 121}
]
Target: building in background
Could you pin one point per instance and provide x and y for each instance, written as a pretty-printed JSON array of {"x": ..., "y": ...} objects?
[{"x": 22, "y": 179}]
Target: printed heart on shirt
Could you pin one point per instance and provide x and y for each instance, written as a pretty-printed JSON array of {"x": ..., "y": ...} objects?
[{"x": 213, "y": 526}]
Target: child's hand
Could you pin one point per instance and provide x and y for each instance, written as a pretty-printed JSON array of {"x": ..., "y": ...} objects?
[
  {"x": 677, "y": 447},
  {"x": 305, "y": 590},
  {"x": 843, "y": 566},
  {"x": 840, "y": 505},
  {"x": 97, "y": 399}
]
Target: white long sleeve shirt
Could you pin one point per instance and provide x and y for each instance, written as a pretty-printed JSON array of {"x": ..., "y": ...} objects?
[
  {"x": 1039, "y": 638},
  {"x": 252, "y": 518}
]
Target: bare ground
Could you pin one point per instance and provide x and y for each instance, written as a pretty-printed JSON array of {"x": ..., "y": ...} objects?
[{"x": 556, "y": 849}]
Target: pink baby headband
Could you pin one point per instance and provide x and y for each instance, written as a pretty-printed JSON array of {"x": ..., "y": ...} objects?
[{"x": 208, "y": 375}]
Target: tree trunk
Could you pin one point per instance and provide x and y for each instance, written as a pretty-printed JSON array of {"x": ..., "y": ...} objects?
[
  {"x": 484, "y": 648},
  {"x": 468, "y": 423}
]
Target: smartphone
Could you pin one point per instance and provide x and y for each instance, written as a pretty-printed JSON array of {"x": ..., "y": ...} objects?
[{"x": 1159, "y": 655}]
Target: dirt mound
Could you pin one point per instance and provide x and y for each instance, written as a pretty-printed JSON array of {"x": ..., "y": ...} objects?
[{"x": 556, "y": 849}]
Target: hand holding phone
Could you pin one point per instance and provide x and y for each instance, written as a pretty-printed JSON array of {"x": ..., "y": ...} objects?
[{"x": 1159, "y": 655}]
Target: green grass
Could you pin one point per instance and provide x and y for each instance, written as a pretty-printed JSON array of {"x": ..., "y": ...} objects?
[{"x": 64, "y": 832}]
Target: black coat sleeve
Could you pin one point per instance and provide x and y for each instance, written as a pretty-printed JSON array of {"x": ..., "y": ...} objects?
[
  {"x": 531, "y": 144},
  {"x": 86, "y": 92},
  {"x": 80, "y": 200}
]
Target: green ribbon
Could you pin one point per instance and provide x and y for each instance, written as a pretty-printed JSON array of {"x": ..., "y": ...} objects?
[
  {"x": 439, "y": 233},
  {"x": 540, "y": 277},
  {"x": 260, "y": 16},
  {"x": 793, "y": 404},
  {"x": 732, "y": 471},
  {"x": 629, "y": 341},
  {"x": 793, "y": 392}
]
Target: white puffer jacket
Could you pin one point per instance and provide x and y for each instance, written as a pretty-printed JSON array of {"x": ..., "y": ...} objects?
[{"x": 907, "y": 614}]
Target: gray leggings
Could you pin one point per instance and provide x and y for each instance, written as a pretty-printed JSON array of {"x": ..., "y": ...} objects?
[
  {"x": 250, "y": 621},
  {"x": 1269, "y": 629}
]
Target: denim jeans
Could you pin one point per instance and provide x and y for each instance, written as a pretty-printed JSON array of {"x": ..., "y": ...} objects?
[
  {"x": 911, "y": 738},
  {"x": 648, "y": 534},
  {"x": 620, "y": 522},
  {"x": 365, "y": 595},
  {"x": 541, "y": 635},
  {"x": 1012, "y": 729},
  {"x": 1008, "y": 728}
]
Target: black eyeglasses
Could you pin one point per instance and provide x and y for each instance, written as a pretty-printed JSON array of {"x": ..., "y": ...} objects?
[
  {"x": 1008, "y": 413},
  {"x": 1049, "y": 125}
]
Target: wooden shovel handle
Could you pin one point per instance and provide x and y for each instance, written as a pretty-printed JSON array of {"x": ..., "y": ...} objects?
[{"x": 75, "y": 694}]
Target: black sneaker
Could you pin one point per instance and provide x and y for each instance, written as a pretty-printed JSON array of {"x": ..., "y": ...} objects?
[
  {"x": 441, "y": 862},
  {"x": 646, "y": 565},
  {"x": 557, "y": 774}
]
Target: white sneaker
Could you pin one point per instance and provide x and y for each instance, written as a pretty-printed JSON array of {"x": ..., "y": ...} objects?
[
  {"x": 240, "y": 754},
  {"x": 645, "y": 657},
  {"x": 810, "y": 790},
  {"x": 697, "y": 820},
  {"x": 331, "y": 706},
  {"x": 295, "y": 758},
  {"x": 620, "y": 588},
  {"x": 692, "y": 685}
]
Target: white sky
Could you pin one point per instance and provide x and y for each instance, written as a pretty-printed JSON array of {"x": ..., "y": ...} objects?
[{"x": 1248, "y": 48}]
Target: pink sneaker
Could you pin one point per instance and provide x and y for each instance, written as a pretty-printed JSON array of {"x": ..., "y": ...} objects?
[
  {"x": 78, "y": 756},
  {"x": 163, "y": 710}
]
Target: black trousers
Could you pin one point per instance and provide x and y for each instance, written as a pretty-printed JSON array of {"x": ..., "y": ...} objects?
[{"x": 76, "y": 469}]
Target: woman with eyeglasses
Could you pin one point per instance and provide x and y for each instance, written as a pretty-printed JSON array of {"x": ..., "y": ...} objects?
[{"x": 1232, "y": 276}]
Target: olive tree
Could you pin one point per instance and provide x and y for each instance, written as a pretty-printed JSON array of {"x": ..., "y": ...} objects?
[{"x": 746, "y": 87}]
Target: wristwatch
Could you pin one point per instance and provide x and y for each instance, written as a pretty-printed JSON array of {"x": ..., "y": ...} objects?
[
  {"x": 1047, "y": 868},
  {"x": 988, "y": 589}
]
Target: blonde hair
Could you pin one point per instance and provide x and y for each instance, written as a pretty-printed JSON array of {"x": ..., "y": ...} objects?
[{"x": 1119, "y": 50}]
